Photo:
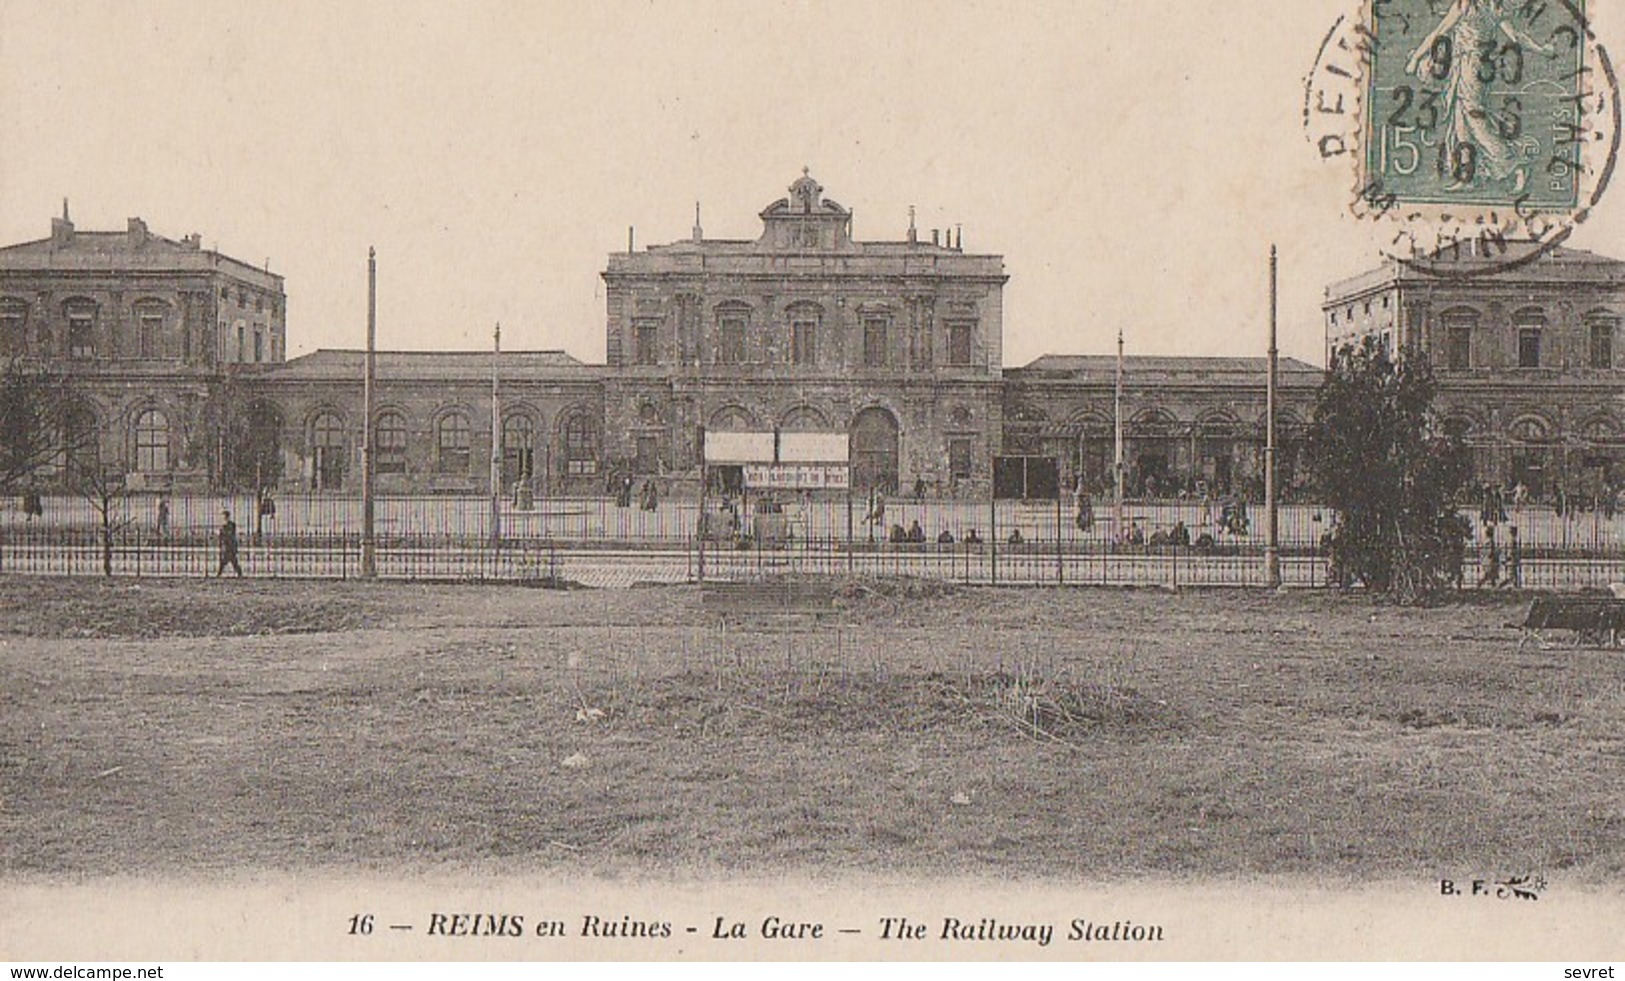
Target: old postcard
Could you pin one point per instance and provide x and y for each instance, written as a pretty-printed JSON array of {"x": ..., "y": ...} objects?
[{"x": 811, "y": 481}]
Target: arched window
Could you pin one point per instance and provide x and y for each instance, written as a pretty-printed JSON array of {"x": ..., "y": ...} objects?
[
  {"x": 452, "y": 439},
  {"x": 327, "y": 451},
  {"x": 804, "y": 419},
  {"x": 389, "y": 437},
  {"x": 580, "y": 446},
  {"x": 518, "y": 447},
  {"x": 732, "y": 419},
  {"x": 873, "y": 449},
  {"x": 152, "y": 442}
]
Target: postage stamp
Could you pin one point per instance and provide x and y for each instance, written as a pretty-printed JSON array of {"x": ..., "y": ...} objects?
[
  {"x": 1468, "y": 106},
  {"x": 1492, "y": 123}
]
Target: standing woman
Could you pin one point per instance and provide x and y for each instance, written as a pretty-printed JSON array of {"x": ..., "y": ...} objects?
[{"x": 1464, "y": 52}]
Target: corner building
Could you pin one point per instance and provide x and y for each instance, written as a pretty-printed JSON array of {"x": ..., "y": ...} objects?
[
  {"x": 1525, "y": 352},
  {"x": 897, "y": 344},
  {"x": 152, "y": 332}
]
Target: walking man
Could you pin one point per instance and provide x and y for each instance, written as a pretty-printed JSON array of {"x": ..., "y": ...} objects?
[{"x": 228, "y": 545}]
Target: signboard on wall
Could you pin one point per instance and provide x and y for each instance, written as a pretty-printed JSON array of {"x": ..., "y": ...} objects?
[
  {"x": 788, "y": 476},
  {"x": 813, "y": 448},
  {"x": 738, "y": 448}
]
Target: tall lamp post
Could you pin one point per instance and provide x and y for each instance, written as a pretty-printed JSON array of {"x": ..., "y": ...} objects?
[
  {"x": 1117, "y": 441},
  {"x": 369, "y": 548},
  {"x": 1272, "y": 524},
  {"x": 496, "y": 439}
]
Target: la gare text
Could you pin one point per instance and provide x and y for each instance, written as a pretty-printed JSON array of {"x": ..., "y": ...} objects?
[{"x": 949, "y": 929}]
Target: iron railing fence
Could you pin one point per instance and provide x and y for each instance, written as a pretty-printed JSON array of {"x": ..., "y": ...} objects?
[{"x": 596, "y": 542}]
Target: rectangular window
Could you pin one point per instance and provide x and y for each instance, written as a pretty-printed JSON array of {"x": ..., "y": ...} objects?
[
  {"x": 1602, "y": 345},
  {"x": 259, "y": 347},
  {"x": 1529, "y": 347},
  {"x": 645, "y": 339},
  {"x": 731, "y": 343},
  {"x": 152, "y": 332},
  {"x": 959, "y": 343},
  {"x": 959, "y": 456},
  {"x": 1459, "y": 348},
  {"x": 804, "y": 342},
  {"x": 874, "y": 343},
  {"x": 242, "y": 347},
  {"x": 81, "y": 336}
]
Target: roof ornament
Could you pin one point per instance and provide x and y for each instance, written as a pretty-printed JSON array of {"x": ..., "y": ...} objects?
[{"x": 806, "y": 191}]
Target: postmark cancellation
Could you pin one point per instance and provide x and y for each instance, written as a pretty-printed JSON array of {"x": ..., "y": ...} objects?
[{"x": 1493, "y": 124}]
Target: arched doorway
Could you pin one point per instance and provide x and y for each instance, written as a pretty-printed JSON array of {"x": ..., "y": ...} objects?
[
  {"x": 257, "y": 459},
  {"x": 874, "y": 450}
]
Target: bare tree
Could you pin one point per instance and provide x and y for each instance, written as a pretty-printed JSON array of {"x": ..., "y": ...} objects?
[
  {"x": 105, "y": 491},
  {"x": 33, "y": 414}
]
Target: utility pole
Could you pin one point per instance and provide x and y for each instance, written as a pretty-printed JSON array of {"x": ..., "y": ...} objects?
[
  {"x": 496, "y": 439},
  {"x": 1117, "y": 427},
  {"x": 369, "y": 553},
  {"x": 1272, "y": 552}
]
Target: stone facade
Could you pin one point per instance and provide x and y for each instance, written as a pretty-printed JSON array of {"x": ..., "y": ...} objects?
[
  {"x": 1189, "y": 424},
  {"x": 177, "y": 354},
  {"x": 1525, "y": 353},
  {"x": 148, "y": 328},
  {"x": 433, "y": 420},
  {"x": 898, "y": 344}
]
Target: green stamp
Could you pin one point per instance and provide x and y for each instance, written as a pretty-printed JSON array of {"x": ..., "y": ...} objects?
[
  {"x": 1488, "y": 129},
  {"x": 1476, "y": 102}
]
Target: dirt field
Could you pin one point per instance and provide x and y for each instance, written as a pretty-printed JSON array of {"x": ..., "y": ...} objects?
[{"x": 192, "y": 727}]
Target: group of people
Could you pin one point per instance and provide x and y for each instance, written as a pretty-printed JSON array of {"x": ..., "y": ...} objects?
[
  {"x": 1494, "y": 500},
  {"x": 648, "y": 495}
]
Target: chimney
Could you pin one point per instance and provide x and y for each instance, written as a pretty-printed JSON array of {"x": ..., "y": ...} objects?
[
  {"x": 137, "y": 232},
  {"x": 629, "y": 240},
  {"x": 913, "y": 234},
  {"x": 193, "y": 241},
  {"x": 699, "y": 233},
  {"x": 61, "y": 228},
  {"x": 959, "y": 237},
  {"x": 934, "y": 238}
]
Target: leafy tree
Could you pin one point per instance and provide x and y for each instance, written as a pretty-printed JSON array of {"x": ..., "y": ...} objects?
[{"x": 1380, "y": 460}]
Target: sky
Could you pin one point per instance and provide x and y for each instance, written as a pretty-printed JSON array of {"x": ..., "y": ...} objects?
[{"x": 1133, "y": 162}]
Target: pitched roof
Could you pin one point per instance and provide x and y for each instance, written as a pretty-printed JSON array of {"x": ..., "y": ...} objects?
[
  {"x": 1557, "y": 265},
  {"x": 433, "y": 366},
  {"x": 1082, "y": 366},
  {"x": 134, "y": 248}
]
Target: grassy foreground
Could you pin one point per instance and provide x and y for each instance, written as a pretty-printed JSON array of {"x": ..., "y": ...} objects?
[{"x": 190, "y": 727}]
